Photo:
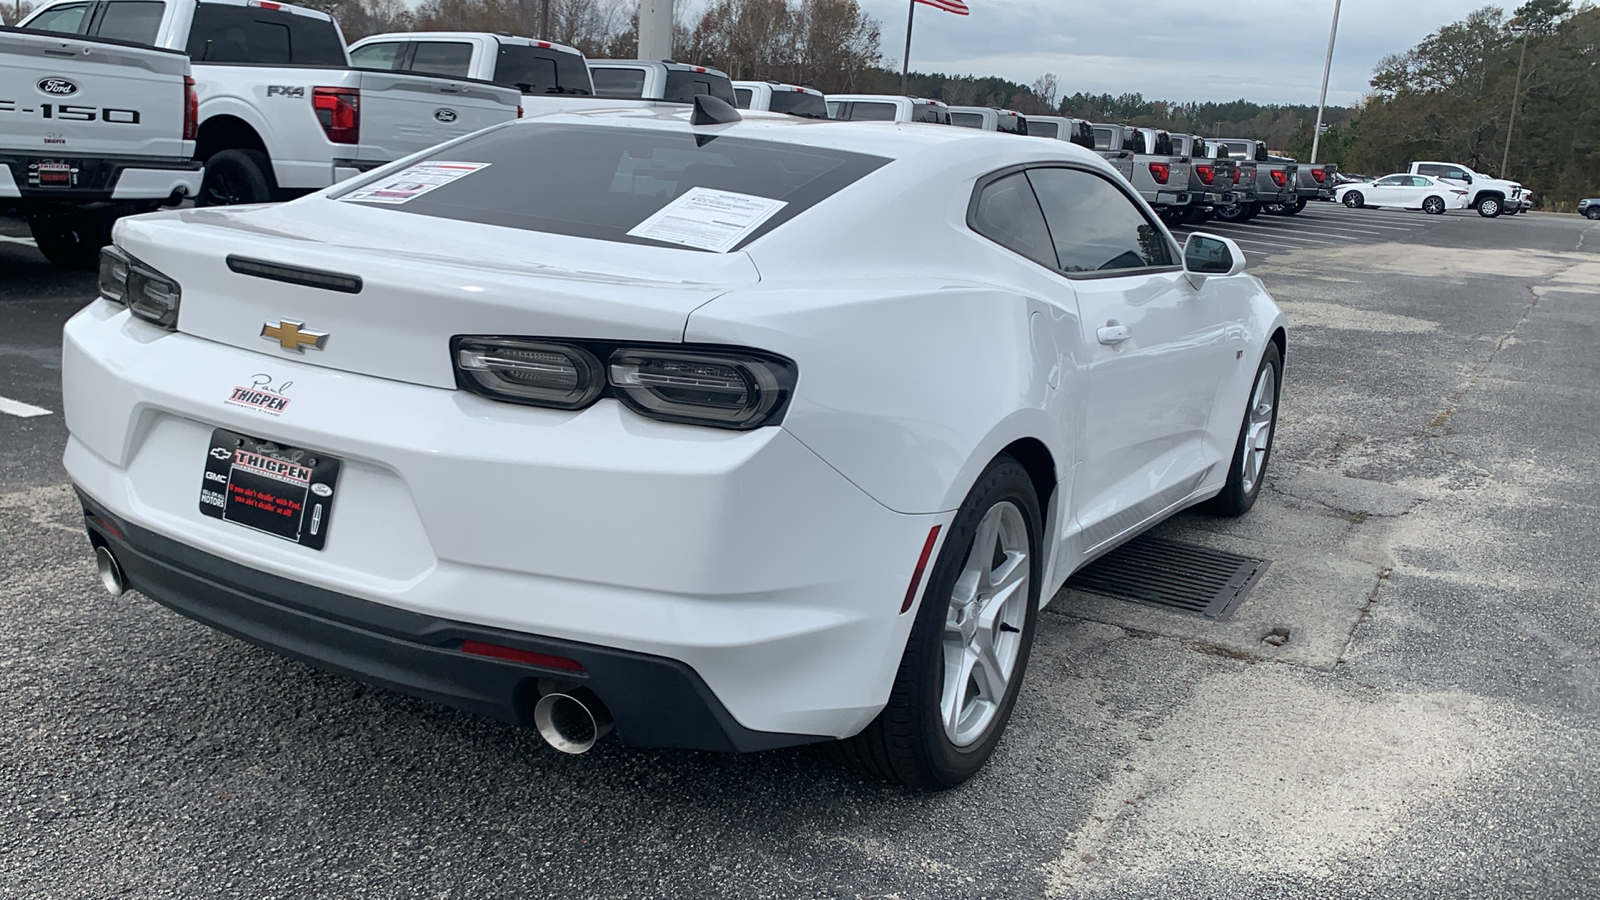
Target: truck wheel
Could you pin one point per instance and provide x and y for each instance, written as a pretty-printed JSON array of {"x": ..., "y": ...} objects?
[
  {"x": 1593, "y": 213},
  {"x": 236, "y": 176},
  {"x": 1433, "y": 206},
  {"x": 1276, "y": 209},
  {"x": 968, "y": 648},
  {"x": 1295, "y": 207},
  {"x": 1233, "y": 212},
  {"x": 73, "y": 240},
  {"x": 1198, "y": 215},
  {"x": 1251, "y": 210},
  {"x": 1354, "y": 200},
  {"x": 1490, "y": 208}
]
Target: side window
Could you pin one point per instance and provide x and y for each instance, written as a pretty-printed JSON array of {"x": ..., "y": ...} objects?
[
  {"x": 1006, "y": 212},
  {"x": 683, "y": 86},
  {"x": 64, "y": 19},
  {"x": 966, "y": 119},
  {"x": 377, "y": 56},
  {"x": 833, "y": 109},
  {"x": 614, "y": 81},
  {"x": 1037, "y": 128},
  {"x": 745, "y": 95},
  {"x": 1435, "y": 171},
  {"x": 136, "y": 21},
  {"x": 1104, "y": 138},
  {"x": 239, "y": 34},
  {"x": 1457, "y": 174},
  {"x": 875, "y": 112},
  {"x": 1094, "y": 226},
  {"x": 449, "y": 58}
]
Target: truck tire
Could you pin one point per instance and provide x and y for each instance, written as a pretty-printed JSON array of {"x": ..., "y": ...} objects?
[
  {"x": 1593, "y": 213},
  {"x": 237, "y": 176},
  {"x": 1490, "y": 207},
  {"x": 1295, "y": 207},
  {"x": 72, "y": 241},
  {"x": 1232, "y": 213},
  {"x": 1251, "y": 210}
]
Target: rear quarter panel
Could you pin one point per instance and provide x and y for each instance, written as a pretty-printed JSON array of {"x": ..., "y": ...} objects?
[{"x": 402, "y": 113}]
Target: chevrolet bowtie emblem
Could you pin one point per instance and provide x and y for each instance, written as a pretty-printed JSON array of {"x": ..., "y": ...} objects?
[{"x": 291, "y": 335}]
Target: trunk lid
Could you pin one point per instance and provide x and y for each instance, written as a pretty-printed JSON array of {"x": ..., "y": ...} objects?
[{"x": 423, "y": 281}]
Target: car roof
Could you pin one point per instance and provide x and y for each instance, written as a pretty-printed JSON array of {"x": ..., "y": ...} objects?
[{"x": 892, "y": 140}]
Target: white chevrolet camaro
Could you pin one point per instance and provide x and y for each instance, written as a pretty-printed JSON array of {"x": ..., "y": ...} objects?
[{"x": 723, "y": 434}]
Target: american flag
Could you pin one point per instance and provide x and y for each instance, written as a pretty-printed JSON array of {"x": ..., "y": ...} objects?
[{"x": 949, "y": 6}]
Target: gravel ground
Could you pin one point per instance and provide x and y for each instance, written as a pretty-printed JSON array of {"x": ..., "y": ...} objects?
[{"x": 1428, "y": 730}]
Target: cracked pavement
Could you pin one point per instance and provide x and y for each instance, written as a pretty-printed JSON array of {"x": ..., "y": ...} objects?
[{"x": 1428, "y": 729}]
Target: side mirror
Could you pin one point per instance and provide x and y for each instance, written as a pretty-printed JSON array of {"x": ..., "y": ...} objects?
[{"x": 1205, "y": 255}]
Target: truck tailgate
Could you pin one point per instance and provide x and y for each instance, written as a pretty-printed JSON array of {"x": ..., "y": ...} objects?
[
  {"x": 402, "y": 113},
  {"x": 83, "y": 97}
]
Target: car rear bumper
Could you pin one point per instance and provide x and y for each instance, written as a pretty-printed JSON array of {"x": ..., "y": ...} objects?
[
  {"x": 741, "y": 556},
  {"x": 655, "y": 702},
  {"x": 100, "y": 179}
]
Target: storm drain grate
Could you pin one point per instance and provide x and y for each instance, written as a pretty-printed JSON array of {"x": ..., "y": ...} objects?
[{"x": 1170, "y": 574}]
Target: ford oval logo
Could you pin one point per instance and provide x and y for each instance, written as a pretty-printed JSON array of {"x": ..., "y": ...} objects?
[
  {"x": 445, "y": 115},
  {"x": 58, "y": 87}
]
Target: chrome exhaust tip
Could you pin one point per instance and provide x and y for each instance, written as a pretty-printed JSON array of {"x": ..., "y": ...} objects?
[
  {"x": 105, "y": 565},
  {"x": 572, "y": 721}
]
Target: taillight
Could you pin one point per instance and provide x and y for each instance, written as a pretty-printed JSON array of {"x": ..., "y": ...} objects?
[
  {"x": 519, "y": 110},
  {"x": 1319, "y": 175},
  {"x": 1160, "y": 172},
  {"x": 1208, "y": 174},
  {"x": 149, "y": 294},
  {"x": 339, "y": 111},
  {"x": 191, "y": 110},
  {"x": 1280, "y": 177}
]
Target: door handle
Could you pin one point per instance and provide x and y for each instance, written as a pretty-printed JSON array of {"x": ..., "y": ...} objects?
[{"x": 1113, "y": 335}]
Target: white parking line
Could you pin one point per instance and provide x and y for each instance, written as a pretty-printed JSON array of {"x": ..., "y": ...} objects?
[
  {"x": 1328, "y": 222},
  {"x": 21, "y": 410},
  {"x": 18, "y": 240},
  {"x": 1242, "y": 241},
  {"x": 1286, "y": 235}
]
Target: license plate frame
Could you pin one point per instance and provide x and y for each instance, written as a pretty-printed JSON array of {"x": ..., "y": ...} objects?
[{"x": 284, "y": 491}]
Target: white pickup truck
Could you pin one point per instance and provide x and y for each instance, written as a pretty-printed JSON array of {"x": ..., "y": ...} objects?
[
  {"x": 887, "y": 108},
  {"x": 658, "y": 80},
  {"x": 772, "y": 96},
  {"x": 547, "y": 74},
  {"x": 91, "y": 129},
  {"x": 281, "y": 112},
  {"x": 1491, "y": 197}
]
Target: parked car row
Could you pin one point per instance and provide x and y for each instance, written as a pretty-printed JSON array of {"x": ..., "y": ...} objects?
[{"x": 124, "y": 106}]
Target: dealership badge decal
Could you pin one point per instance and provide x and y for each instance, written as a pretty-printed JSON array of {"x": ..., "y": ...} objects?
[
  {"x": 261, "y": 396},
  {"x": 57, "y": 87}
]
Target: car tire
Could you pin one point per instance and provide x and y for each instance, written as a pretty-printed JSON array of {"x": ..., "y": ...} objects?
[
  {"x": 1354, "y": 200},
  {"x": 1196, "y": 215},
  {"x": 910, "y": 741},
  {"x": 1490, "y": 207},
  {"x": 1592, "y": 214},
  {"x": 1513, "y": 210},
  {"x": 237, "y": 176},
  {"x": 1433, "y": 206},
  {"x": 1252, "y": 452},
  {"x": 72, "y": 241}
]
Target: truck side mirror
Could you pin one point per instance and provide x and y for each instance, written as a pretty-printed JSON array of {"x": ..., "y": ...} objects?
[{"x": 1206, "y": 255}]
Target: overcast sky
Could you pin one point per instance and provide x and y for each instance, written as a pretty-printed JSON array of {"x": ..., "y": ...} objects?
[{"x": 1260, "y": 50}]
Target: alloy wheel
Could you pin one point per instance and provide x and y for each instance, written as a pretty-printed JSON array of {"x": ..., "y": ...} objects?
[
  {"x": 983, "y": 625},
  {"x": 1433, "y": 206},
  {"x": 1258, "y": 434}
]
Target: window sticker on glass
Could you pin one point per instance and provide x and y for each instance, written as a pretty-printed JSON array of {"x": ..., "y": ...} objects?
[
  {"x": 707, "y": 219},
  {"x": 413, "y": 182}
]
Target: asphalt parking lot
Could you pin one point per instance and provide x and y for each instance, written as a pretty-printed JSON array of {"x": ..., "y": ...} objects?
[{"x": 1407, "y": 704}]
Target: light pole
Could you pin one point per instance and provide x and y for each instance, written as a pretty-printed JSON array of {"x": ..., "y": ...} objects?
[
  {"x": 1327, "y": 70},
  {"x": 1506, "y": 159}
]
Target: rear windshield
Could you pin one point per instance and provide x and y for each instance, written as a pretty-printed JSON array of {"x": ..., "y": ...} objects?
[
  {"x": 967, "y": 120},
  {"x": 1104, "y": 137},
  {"x": 248, "y": 34},
  {"x": 1044, "y": 129},
  {"x": 930, "y": 113},
  {"x": 612, "y": 81},
  {"x": 535, "y": 70},
  {"x": 871, "y": 111},
  {"x": 799, "y": 103},
  {"x": 600, "y": 183},
  {"x": 682, "y": 87},
  {"x": 1011, "y": 124},
  {"x": 1083, "y": 135},
  {"x": 136, "y": 21}
]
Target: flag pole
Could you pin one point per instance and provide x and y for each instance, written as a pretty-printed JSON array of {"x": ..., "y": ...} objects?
[{"x": 905, "y": 64}]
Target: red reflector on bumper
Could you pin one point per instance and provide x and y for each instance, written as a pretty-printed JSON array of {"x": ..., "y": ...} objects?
[
  {"x": 479, "y": 648},
  {"x": 922, "y": 564}
]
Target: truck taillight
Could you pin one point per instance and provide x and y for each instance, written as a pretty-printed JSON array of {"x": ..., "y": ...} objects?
[
  {"x": 1208, "y": 174},
  {"x": 1319, "y": 175},
  {"x": 191, "y": 110},
  {"x": 339, "y": 112},
  {"x": 1160, "y": 172},
  {"x": 1280, "y": 177}
]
